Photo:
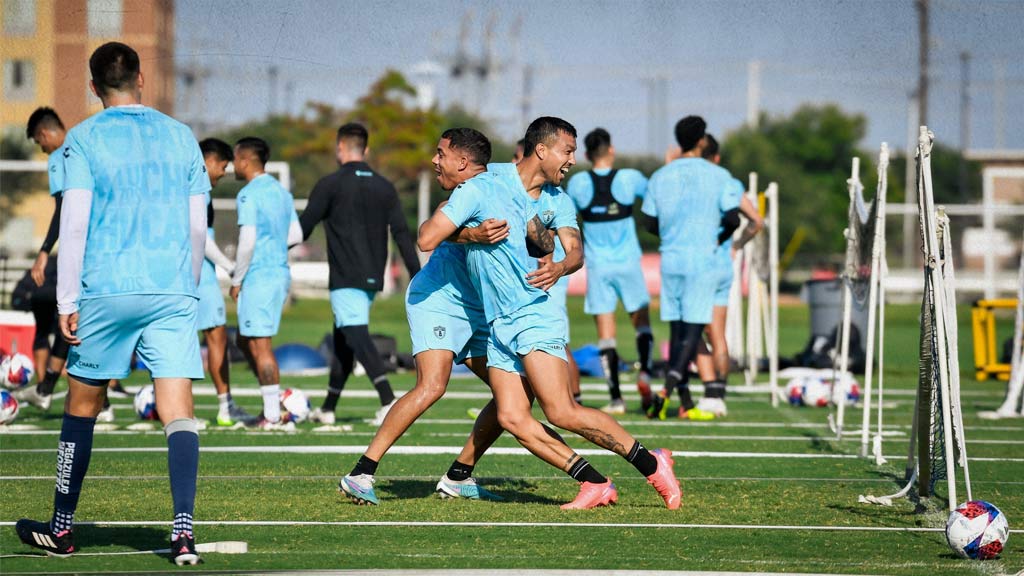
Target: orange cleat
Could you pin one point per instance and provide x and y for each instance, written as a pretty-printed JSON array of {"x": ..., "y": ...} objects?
[
  {"x": 664, "y": 479},
  {"x": 593, "y": 495}
]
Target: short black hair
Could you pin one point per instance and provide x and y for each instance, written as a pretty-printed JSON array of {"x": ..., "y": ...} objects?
[
  {"x": 521, "y": 143},
  {"x": 355, "y": 134},
  {"x": 710, "y": 147},
  {"x": 42, "y": 116},
  {"x": 598, "y": 141},
  {"x": 114, "y": 67},
  {"x": 689, "y": 131},
  {"x": 476, "y": 146},
  {"x": 543, "y": 130},
  {"x": 216, "y": 147},
  {"x": 257, "y": 146}
]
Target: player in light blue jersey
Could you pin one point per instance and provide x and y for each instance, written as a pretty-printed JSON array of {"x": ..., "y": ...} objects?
[
  {"x": 267, "y": 227},
  {"x": 688, "y": 206},
  {"x": 132, "y": 232},
  {"x": 605, "y": 198},
  {"x": 713, "y": 365},
  {"x": 526, "y": 331},
  {"x": 212, "y": 320}
]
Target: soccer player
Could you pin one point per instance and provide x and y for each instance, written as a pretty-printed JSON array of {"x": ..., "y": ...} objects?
[
  {"x": 212, "y": 321},
  {"x": 527, "y": 333},
  {"x": 605, "y": 197},
  {"x": 357, "y": 207},
  {"x": 713, "y": 365},
  {"x": 689, "y": 205},
  {"x": 132, "y": 231},
  {"x": 47, "y": 130},
  {"x": 267, "y": 227},
  {"x": 447, "y": 324}
]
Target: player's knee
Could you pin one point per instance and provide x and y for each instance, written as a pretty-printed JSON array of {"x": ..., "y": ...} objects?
[
  {"x": 514, "y": 421},
  {"x": 565, "y": 417}
]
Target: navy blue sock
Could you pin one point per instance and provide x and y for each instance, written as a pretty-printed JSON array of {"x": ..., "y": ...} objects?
[
  {"x": 73, "y": 452},
  {"x": 183, "y": 467}
]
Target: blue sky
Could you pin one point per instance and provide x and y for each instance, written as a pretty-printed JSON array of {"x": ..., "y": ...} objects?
[{"x": 593, "y": 62}]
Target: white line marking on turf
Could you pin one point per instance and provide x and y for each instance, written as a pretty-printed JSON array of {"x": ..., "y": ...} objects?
[{"x": 496, "y": 451}]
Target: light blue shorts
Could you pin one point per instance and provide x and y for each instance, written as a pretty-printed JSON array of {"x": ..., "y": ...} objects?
[
  {"x": 607, "y": 285},
  {"x": 351, "y": 306},
  {"x": 538, "y": 326},
  {"x": 725, "y": 276},
  {"x": 557, "y": 295},
  {"x": 211, "y": 301},
  {"x": 688, "y": 297},
  {"x": 439, "y": 319},
  {"x": 260, "y": 304},
  {"x": 160, "y": 328}
]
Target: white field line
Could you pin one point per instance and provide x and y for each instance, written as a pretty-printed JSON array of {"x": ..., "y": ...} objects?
[{"x": 450, "y": 450}]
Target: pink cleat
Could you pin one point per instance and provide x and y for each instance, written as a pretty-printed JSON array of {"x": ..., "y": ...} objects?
[
  {"x": 593, "y": 495},
  {"x": 664, "y": 479}
]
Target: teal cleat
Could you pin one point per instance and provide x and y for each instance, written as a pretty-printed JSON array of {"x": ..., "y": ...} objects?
[
  {"x": 468, "y": 488},
  {"x": 359, "y": 489}
]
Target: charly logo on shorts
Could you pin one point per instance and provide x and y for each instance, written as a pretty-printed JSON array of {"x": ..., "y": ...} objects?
[{"x": 439, "y": 332}]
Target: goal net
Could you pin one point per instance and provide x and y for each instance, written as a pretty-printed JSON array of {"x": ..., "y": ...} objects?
[{"x": 938, "y": 445}]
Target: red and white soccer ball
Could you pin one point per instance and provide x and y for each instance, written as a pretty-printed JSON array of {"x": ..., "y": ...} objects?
[
  {"x": 847, "y": 391},
  {"x": 294, "y": 405},
  {"x": 145, "y": 403},
  {"x": 808, "y": 391},
  {"x": 977, "y": 530},
  {"x": 8, "y": 407},
  {"x": 17, "y": 371}
]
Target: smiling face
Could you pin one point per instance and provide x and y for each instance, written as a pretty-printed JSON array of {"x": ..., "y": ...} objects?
[
  {"x": 557, "y": 157},
  {"x": 449, "y": 165}
]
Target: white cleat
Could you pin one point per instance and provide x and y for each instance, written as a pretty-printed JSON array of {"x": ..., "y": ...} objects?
[
  {"x": 715, "y": 406},
  {"x": 382, "y": 413},
  {"x": 106, "y": 415},
  {"x": 318, "y": 415},
  {"x": 615, "y": 407},
  {"x": 32, "y": 396}
]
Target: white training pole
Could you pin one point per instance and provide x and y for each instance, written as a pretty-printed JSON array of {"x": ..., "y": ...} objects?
[
  {"x": 1011, "y": 406},
  {"x": 925, "y": 139},
  {"x": 772, "y": 197},
  {"x": 753, "y": 310},
  {"x": 876, "y": 257},
  {"x": 877, "y": 442},
  {"x": 844, "y": 346}
]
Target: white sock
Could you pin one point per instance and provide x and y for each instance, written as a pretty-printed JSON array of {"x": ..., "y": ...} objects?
[
  {"x": 271, "y": 402},
  {"x": 225, "y": 401}
]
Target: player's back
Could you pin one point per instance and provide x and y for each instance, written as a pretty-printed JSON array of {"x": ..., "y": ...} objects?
[
  {"x": 688, "y": 198},
  {"x": 265, "y": 204},
  {"x": 141, "y": 167},
  {"x": 609, "y": 236}
]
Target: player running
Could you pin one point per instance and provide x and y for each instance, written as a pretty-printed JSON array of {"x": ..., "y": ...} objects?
[
  {"x": 447, "y": 324},
  {"x": 526, "y": 331},
  {"x": 689, "y": 205},
  {"x": 713, "y": 366},
  {"x": 604, "y": 197},
  {"x": 132, "y": 232},
  {"x": 47, "y": 130},
  {"x": 267, "y": 227},
  {"x": 212, "y": 320},
  {"x": 358, "y": 207}
]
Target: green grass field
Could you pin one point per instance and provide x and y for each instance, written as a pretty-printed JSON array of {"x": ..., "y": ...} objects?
[{"x": 765, "y": 490}]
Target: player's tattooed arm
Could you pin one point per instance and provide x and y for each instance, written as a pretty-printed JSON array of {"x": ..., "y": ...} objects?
[{"x": 539, "y": 241}]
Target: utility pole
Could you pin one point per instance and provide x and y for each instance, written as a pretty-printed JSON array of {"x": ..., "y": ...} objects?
[
  {"x": 965, "y": 122},
  {"x": 1000, "y": 104},
  {"x": 272, "y": 96},
  {"x": 922, "y": 62},
  {"x": 910, "y": 236},
  {"x": 526, "y": 99},
  {"x": 753, "y": 93}
]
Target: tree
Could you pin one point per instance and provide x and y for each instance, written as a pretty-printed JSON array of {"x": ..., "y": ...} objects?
[{"x": 16, "y": 185}]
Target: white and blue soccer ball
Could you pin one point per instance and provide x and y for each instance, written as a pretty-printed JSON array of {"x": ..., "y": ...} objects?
[
  {"x": 17, "y": 371},
  {"x": 145, "y": 403},
  {"x": 977, "y": 530},
  {"x": 8, "y": 407},
  {"x": 294, "y": 405}
]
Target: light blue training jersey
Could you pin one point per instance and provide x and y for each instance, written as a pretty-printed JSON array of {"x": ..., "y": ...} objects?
[
  {"x": 724, "y": 252},
  {"x": 55, "y": 169},
  {"x": 554, "y": 207},
  {"x": 141, "y": 167},
  {"x": 446, "y": 270},
  {"x": 689, "y": 196},
  {"x": 615, "y": 242},
  {"x": 499, "y": 270},
  {"x": 265, "y": 204}
]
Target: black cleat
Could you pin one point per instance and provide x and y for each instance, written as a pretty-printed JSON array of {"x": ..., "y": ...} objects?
[
  {"x": 183, "y": 550},
  {"x": 38, "y": 535}
]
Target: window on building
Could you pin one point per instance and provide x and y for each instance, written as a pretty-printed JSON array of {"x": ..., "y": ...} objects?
[
  {"x": 19, "y": 17},
  {"x": 19, "y": 80},
  {"x": 104, "y": 17}
]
